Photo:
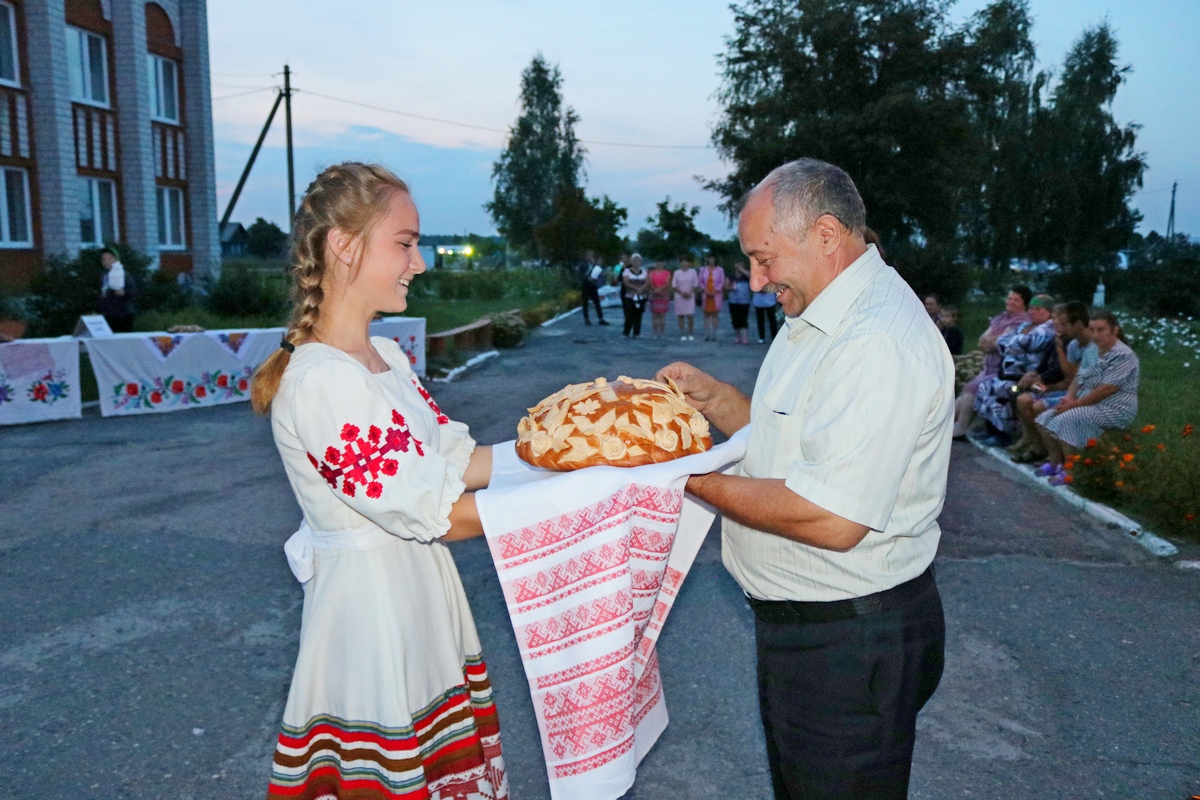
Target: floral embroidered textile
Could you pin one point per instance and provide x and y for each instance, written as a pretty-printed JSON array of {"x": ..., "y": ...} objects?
[
  {"x": 361, "y": 461},
  {"x": 210, "y": 387},
  {"x": 50, "y": 388}
]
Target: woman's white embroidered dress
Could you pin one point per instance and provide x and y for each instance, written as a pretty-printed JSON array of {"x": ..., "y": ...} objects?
[{"x": 390, "y": 697}]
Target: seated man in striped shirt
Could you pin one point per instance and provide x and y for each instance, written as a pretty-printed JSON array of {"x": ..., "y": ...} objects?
[{"x": 830, "y": 522}]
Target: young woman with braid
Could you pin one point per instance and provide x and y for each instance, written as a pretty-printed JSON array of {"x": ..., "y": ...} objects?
[{"x": 390, "y": 697}]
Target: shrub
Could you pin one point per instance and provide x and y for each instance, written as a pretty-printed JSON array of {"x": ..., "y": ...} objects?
[
  {"x": 508, "y": 329},
  {"x": 538, "y": 314},
  {"x": 242, "y": 291}
]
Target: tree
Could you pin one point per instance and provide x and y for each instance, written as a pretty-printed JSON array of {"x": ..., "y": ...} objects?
[
  {"x": 1002, "y": 92},
  {"x": 672, "y": 232},
  {"x": 542, "y": 157},
  {"x": 265, "y": 239},
  {"x": 1089, "y": 167},
  {"x": 580, "y": 223},
  {"x": 864, "y": 84}
]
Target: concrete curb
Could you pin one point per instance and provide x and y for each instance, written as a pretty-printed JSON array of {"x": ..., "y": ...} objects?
[
  {"x": 561, "y": 316},
  {"x": 1156, "y": 545},
  {"x": 459, "y": 370}
]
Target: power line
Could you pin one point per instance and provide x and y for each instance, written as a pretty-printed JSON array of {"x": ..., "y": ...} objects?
[
  {"x": 501, "y": 131},
  {"x": 249, "y": 91}
]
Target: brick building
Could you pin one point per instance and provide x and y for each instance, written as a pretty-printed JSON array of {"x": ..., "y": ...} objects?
[{"x": 105, "y": 132}]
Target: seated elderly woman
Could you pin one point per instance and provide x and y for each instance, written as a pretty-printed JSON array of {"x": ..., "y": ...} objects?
[
  {"x": 1045, "y": 389},
  {"x": 1014, "y": 314},
  {"x": 1102, "y": 396},
  {"x": 1030, "y": 348}
]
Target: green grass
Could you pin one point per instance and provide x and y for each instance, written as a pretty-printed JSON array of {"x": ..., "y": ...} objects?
[{"x": 1165, "y": 489}]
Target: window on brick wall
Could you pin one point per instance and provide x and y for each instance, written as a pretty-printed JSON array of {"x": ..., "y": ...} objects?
[
  {"x": 10, "y": 67},
  {"x": 97, "y": 212},
  {"x": 87, "y": 60},
  {"x": 164, "y": 82},
  {"x": 16, "y": 228},
  {"x": 170, "y": 218}
]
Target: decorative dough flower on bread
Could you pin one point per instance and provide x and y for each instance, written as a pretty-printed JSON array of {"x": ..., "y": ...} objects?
[{"x": 626, "y": 423}]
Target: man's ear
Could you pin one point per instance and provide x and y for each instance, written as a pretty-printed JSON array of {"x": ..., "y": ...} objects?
[{"x": 830, "y": 233}]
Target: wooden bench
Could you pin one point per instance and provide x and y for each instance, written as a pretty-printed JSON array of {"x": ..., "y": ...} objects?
[{"x": 473, "y": 336}]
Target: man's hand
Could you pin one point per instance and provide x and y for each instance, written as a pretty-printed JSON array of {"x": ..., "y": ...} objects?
[
  {"x": 1028, "y": 379},
  {"x": 698, "y": 385},
  {"x": 721, "y": 404}
]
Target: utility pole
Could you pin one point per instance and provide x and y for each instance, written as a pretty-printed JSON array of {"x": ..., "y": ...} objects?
[
  {"x": 250, "y": 163},
  {"x": 1171, "y": 217},
  {"x": 287, "y": 97}
]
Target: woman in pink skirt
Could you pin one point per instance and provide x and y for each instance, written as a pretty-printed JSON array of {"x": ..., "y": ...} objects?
[
  {"x": 660, "y": 298},
  {"x": 686, "y": 283}
]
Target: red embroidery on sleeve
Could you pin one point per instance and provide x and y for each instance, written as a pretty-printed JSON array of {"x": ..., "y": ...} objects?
[
  {"x": 360, "y": 461},
  {"x": 442, "y": 419}
]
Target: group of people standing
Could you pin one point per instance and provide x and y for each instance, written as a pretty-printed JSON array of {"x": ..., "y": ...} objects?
[{"x": 682, "y": 291}]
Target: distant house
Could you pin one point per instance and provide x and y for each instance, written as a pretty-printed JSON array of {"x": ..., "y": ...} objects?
[
  {"x": 106, "y": 132},
  {"x": 233, "y": 239}
]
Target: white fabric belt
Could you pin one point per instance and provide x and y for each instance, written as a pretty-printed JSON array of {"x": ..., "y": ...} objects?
[{"x": 304, "y": 545}]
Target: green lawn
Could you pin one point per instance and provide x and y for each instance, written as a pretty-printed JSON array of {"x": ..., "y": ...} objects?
[{"x": 1168, "y": 399}]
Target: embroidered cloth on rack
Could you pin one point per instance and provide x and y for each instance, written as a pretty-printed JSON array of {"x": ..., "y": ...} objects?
[{"x": 590, "y": 563}]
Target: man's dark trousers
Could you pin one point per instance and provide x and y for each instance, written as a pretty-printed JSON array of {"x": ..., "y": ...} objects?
[
  {"x": 591, "y": 293},
  {"x": 839, "y": 699}
]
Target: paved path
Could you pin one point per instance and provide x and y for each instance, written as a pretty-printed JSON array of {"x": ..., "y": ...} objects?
[{"x": 150, "y": 621}]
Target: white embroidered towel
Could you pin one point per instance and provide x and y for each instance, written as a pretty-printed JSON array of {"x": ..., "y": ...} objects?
[{"x": 590, "y": 563}]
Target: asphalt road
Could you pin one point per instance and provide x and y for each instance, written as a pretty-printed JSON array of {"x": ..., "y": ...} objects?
[{"x": 150, "y": 622}]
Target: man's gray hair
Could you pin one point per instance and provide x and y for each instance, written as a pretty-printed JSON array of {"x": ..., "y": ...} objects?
[{"x": 807, "y": 188}]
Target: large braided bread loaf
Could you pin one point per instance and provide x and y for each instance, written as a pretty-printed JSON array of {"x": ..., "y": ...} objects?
[{"x": 626, "y": 423}]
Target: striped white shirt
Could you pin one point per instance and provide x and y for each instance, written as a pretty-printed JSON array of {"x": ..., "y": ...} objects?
[{"x": 853, "y": 408}]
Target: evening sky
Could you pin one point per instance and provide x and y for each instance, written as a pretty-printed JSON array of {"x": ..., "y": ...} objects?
[{"x": 641, "y": 72}]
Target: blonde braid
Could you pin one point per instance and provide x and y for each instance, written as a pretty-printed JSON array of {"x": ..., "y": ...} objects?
[{"x": 349, "y": 196}]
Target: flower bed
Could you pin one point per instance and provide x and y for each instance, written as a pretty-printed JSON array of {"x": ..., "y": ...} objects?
[{"x": 1151, "y": 471}]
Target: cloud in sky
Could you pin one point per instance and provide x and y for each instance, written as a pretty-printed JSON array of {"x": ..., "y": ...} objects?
[{"x": 639, "y": 71}]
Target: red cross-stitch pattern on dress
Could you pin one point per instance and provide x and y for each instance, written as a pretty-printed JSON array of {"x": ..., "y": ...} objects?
[
  {"x": 442, "y": 419},
  {"x": 361, "y": 461}
]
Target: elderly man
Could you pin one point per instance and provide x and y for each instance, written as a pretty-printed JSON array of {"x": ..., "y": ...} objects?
[{"x": 830, "y": 523}]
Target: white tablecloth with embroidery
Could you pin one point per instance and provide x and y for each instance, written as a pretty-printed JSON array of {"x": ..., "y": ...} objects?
[
  {"x": 39, "y": 380},
  {"x": 590, "y": 563},
  {"x": 143, "y": 373}
]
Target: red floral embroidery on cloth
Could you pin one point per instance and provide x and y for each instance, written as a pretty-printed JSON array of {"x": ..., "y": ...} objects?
[
  {"x": 361, "y": 461},
  {"x": 442, "y": 419}
]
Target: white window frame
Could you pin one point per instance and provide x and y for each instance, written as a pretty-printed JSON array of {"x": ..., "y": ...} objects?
[
  {"x": 6, "y": 241},
  {"x": 162, "y": 205},
  {"x": 85, "y": 65},
  {"x": 8, "y": 10},
  {"x": 94, "y": 197},
  {"x": 158, "y": 88}
]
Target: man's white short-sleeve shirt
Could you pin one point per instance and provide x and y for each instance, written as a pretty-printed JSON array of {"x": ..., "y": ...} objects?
[{"x": 853, "y": 408}]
